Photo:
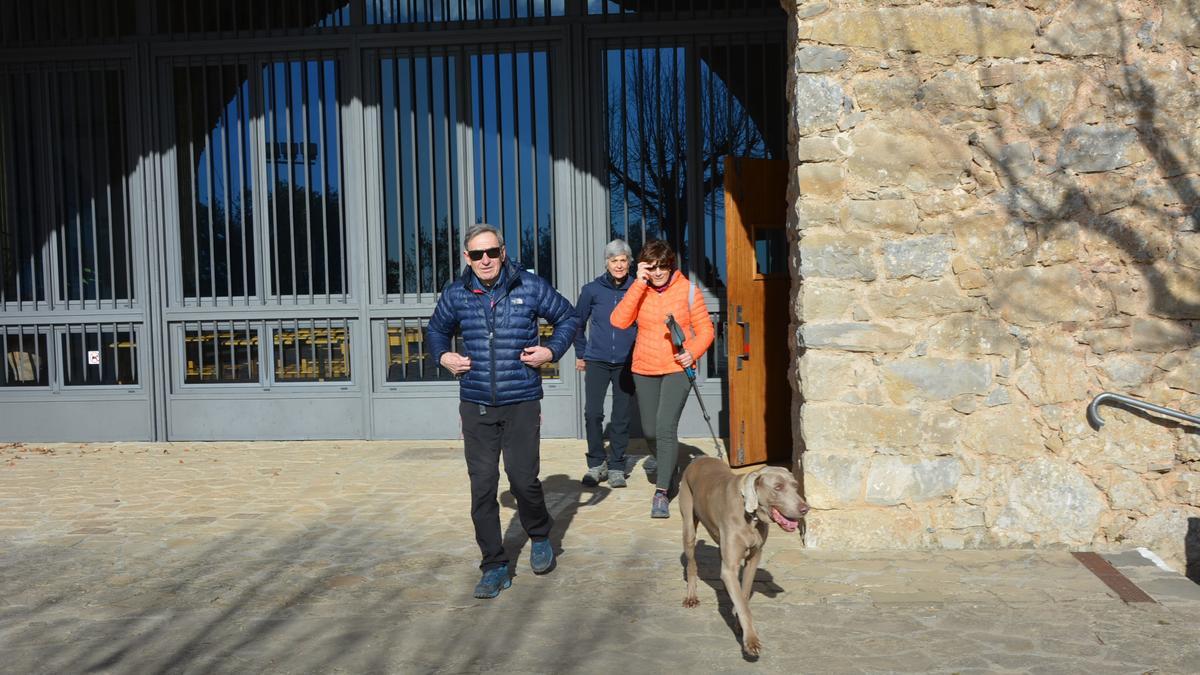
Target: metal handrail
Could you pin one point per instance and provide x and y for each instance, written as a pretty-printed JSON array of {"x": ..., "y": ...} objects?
[{"x": 1094, "y": 415}]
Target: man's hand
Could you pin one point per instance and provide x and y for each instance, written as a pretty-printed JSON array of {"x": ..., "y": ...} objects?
[
  {"x": 536, "y": 356},
  {"x": 684, "y": 358},
  {"x": 456, "y": 363},
  {"x": 580, "y": 365}
]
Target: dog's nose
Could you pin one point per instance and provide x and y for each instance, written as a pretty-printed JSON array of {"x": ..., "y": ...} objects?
[{"x": 803, "y": 509}]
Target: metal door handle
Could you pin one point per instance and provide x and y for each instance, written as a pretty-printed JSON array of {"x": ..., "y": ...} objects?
[{"x": 745, "y": 355}]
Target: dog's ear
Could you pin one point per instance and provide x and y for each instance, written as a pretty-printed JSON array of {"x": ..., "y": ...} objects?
[{"x": 750, "y": 491}]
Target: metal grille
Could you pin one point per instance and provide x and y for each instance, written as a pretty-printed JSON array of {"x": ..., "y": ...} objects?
[
  {"x": 97, "y": 354},
  {"x": 194, "y": 18},
  {"x": 47, "y": 21},
  {"x": 65, "y": 128},
  {"x": 26, "y": 357},
  {"x": 419, "y": 101},
  {"x": 408, "y": 358},
  {"x": 274, "y": 131},
  {"x": 449, "y": 11},
  {"x": 221, "y": 352},
  {"x": 304, "y": 178},
  {"x": 640, "y": 10},
  {"x": 674, "y": 112},
  {"x": 311, "y": 350},
  {"x": 510, "y": 118}
]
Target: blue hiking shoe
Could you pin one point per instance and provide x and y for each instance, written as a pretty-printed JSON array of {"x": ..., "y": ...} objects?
[
  {"x": 492, "y": 582},
  {"x": 542, "y": 557},
  {"x": 660, "y": 507}
]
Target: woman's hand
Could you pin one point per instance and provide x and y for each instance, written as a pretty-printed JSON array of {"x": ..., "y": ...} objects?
[
  {"x": 684, "y": 358},
  {"x": 643, "y": 272}
]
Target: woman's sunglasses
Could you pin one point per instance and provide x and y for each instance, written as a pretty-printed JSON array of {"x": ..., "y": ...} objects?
[
  {"x": 659, "y": 266},
  {"x": 492, "y": 253}
]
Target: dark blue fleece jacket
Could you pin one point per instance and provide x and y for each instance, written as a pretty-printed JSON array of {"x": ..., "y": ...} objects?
[{"x": 602, "y": 342}]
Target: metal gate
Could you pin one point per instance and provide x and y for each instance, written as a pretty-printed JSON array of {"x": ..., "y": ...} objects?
[{"x": 232, "y": 219}]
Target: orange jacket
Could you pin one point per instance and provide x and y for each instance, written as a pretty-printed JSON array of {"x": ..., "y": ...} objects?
[{"x": 652, "y": 351}]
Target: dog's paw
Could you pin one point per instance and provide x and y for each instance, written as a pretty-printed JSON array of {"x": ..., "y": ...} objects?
[
  {"x": 752, "y": 645},
  {"x": 691, "y": 601}
]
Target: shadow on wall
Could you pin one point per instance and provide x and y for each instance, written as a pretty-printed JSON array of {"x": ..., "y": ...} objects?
[{"x": 1191, "y": 547}]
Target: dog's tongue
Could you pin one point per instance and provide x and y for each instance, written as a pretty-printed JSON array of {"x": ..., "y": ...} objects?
[{"x": 782, "y": 521}]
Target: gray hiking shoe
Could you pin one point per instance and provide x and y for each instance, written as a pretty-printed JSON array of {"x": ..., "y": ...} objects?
[
  {"x": 659, "y": 506},
  {"x": 595, "y": 476},
  {"x": 616, "y": 478}
]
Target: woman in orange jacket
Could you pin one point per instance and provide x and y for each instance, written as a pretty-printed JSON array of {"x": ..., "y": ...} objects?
[{"x": 658, "y": 371}]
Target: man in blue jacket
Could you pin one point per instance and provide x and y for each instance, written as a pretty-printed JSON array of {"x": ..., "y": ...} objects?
[
  {"x": 496, "y": 305},
  {"x": 603, "y": 353}
]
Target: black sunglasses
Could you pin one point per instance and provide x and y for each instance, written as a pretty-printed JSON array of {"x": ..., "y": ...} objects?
[{"x": 492, "y": 253}]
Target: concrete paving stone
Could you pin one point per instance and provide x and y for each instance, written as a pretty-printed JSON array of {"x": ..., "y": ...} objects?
[{"x": 358, "y": 557}]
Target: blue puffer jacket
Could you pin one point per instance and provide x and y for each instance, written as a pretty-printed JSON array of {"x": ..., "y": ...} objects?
[
  {"x": 496, "y": 327},
  {"x": 597, "y": 339}
]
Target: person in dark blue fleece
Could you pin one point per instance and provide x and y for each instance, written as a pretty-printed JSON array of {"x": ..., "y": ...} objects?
[
  {"x": 496, "y": 304},
  {"x": 602, "y": 353}
]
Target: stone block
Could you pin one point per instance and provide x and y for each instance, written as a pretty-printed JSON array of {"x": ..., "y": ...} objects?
[
  {"x": 1160, "y": 336},
  {"x": 1128, "y": 492},
  {"x": 820, "y": 301},
  {"x": 1124, "y": 372},
  {"x": 923, "y": 257},
  {"x": 1181, "y": 22},
  {"x": 952, "y": 88},
  {"x": 817, "y": 59},
  {"x": 893, "y": 215},
  {"x": 1188, "y": 488},
  {"x": 865, "y": 529},
  {"x": 1126, "y": 440},
  {"x": 958, "y": 517},
  {"x": 918, "y": 300},
  {"x": 1186, "y": 375},
  {"x": 935, "y": 379},
  {"x": 1003, "y": 431},
  {"x": 837, "y": 255},
  {"x": 971, "y": 335},
  {"x": 820, "y": 180},
  {"x": 1050, "y": 501},
  {"x": 895, "y": 480},
  {"x": 819, "y": 149},
  {"x": 885, "y": 91},
  {"x": 1040, "y": 96},
  {"x": 989, "y": 237},
  {"x": 829, "y": 426},
  {"x": 826, "y": 376},
  {"x": 833, "y": 480},
  {"x": 816, "y": 104},
  {"x": 1099, "y": 148},
  {"x": 946, "y": 31},
  {"x": 854, "y": 337},
  {"x": 1033, "y": 296},
  {"x": 906, "y": 151},
  {"x": 1088, "y": 28},
  {"x": 1047, "y": 379}
]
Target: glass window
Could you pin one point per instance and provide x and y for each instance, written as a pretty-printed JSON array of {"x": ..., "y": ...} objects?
[
  {"x": 311, "y": 350},
  {"x": 25, "y": 357},
  {"x": 439, "y": 11},
  {"x": 22, "y": 268},
  {"x": 770, "y": 251},
  {"x": 221, "y": 353},
  {"x": 95, "y": 354}
]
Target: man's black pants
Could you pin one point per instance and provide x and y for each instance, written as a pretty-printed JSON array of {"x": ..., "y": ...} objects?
[{"x": 514, "y": 430}]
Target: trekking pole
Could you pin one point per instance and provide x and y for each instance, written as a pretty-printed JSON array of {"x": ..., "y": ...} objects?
[{"x": 677, "y": 342}]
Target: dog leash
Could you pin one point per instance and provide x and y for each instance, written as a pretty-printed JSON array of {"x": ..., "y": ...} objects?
[{"x": 677, "y": 342}]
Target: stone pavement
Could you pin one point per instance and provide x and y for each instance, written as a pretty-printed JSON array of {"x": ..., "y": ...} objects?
[{"x": 358, "y": 557}]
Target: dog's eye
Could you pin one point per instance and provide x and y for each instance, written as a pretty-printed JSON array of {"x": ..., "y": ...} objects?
[{"x": 778, "y": 486}]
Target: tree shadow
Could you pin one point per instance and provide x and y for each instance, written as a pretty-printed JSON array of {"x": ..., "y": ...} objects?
[{"x": 564, "y": 497}]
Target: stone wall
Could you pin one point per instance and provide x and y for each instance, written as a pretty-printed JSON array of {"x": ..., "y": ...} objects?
[{"x": 995, "y": 216}]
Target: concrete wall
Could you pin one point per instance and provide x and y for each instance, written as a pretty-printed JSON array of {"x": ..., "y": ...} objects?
[{"x": 994, "y": 209}]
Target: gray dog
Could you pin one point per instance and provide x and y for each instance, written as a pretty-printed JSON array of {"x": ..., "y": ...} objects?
[{"x": 735, "y": 510}]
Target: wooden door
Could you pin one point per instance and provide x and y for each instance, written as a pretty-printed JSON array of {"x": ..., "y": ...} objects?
[{"x": 756, "y": 246}]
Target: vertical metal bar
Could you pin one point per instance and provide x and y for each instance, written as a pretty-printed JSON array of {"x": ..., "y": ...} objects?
[
  {"x": 74, "y": 113},
  {"x": 416, "y": 162},
  {"x": 193, "y": 181},
  {"x": 708, "y": 96},
  {"x": 323, "y": 153},
  {"x": 210, "y": 172},
  {"x": 32, "y": 223},
  {"x": 226, "y": 202},
  {"x": 308, "y": 199},
  {"x": 243, "y": 176},
  {"x": 482, "y": 188},
  {"x": 642, "y": 105},
  {"x": 624, "y": 139},
  {"x": 70, "y": 352},
  {"x": 431, "y": 174},
  {"x": 86, "y": 124},
  {"x": 271, "y": 189},
  {"x": 344, "y": 260},
  {"x": 499, "y": 142},
  {"x": 516, "y": 159},
  {"x": 291, "y": 171},
  {"x": 533, "y": 154},
  {"x": 107, "y": 180},
  {"x": 399, "y": 154},
  {"x": 447, "y": 130}
]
